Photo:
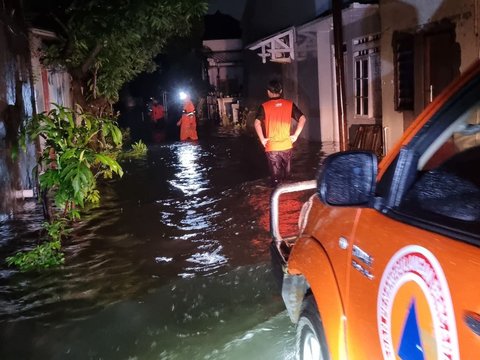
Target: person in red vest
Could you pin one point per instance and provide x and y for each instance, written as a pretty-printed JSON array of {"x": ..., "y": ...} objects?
[
  {"x": 157, "y": 113},
  {"x": 188, "y": 121},
  {"x": 272, "y": 125},
  {"x": 157, "y": 116}
]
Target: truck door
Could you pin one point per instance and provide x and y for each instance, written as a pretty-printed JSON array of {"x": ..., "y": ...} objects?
[
  {"x": 413, "y": 284},
  {"x": 404, "y": 304}
]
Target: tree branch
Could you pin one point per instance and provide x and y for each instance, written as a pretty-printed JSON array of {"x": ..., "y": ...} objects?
[
  {"x": 67, "y": 49},
  {"x": 59, "y": 22},
  {"x": 91, "y": 58}
]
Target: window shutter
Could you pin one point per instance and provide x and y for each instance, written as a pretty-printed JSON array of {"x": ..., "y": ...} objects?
[{"x": 403, "y": 53}]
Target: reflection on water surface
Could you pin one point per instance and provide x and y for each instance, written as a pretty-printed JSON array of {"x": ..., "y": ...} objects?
[{"x": 173, "y": 265}]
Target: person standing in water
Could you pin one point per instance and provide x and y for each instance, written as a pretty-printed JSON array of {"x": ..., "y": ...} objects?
[
  {"x": 188, "y": 121},
  {"x": 275, "y": 118},
  {"x": 157, "y": 116}
]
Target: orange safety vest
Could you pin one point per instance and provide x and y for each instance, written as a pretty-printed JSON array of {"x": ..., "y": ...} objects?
[
  {"x": 278, "y": 119},
  {"x": 157, "y": 112},
  {"x": 188, "y": 123}
]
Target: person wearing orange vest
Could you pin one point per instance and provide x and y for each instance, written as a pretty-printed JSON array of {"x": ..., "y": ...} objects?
[
  {"x": 272, "y": 125},
  {"x": 188, "y": 121}
]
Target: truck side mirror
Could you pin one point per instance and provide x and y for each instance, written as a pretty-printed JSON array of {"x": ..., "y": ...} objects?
[{"x": 348, "y": 178}]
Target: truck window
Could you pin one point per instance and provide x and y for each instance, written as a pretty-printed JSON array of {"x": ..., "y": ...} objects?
[{"x": 446, "y": 192}]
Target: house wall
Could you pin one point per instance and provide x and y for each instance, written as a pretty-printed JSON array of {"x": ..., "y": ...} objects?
[
  {"x": 414, "y": 17},
  {"x": 314, "y": 76},
  {"x": 261, "y": 19},
  {"x": 220, "y": 45},
  {"x": 359, "y": 23},
  {"x": 51, "y": 86},
  {"x": 225, "y": 63},
  {"x": 16, "y": 105},
  {"x": 326, "y": 82},
  {"x": 257, "y": 76},
  {"x": 306, "y": 90}
]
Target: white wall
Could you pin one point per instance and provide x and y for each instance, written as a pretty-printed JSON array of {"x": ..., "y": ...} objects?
[
  {"x": 358, "y": 20},
  {"x": 326, "y": 83}
]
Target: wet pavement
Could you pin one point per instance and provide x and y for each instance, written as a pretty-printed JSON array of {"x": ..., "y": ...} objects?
[{"x": 173, "y": 265}]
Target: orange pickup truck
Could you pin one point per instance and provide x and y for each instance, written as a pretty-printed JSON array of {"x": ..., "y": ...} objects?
[{"x": 386, "y": 264}]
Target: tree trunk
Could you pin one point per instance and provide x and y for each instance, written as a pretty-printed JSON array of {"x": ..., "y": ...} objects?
[
  {"x": 99, "y": 106},
  {"x": 78, "y": 92}
]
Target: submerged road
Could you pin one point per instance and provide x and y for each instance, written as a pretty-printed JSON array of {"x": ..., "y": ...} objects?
[{"x": 173, "y": 265}]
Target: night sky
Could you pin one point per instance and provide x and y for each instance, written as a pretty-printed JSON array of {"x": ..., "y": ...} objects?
[{"x": 230, "y": 7}]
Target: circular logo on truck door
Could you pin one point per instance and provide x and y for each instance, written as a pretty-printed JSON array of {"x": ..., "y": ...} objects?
[{"x": 415, "y": 315}]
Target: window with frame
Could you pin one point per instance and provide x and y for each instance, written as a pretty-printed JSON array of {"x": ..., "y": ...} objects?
[
  {"x": 446, "y": 191},
  {"x": 361, "y": 80},
  {"x": 366, "y": 77}
]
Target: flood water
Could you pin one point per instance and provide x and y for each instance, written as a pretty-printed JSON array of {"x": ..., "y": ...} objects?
[{"x": 173, "y": 265}]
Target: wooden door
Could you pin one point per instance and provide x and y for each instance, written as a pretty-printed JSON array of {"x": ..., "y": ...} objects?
[{"x": 441, "y": 62}]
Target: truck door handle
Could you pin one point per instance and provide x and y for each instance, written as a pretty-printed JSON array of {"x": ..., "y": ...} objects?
[{"x": 473, "y": 321}]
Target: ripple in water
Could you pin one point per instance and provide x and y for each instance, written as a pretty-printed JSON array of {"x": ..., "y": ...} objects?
[{"x": 206, "y": 262}]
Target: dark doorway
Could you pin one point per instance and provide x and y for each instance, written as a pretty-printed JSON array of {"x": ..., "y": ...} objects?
[
  {"x": 427, "y": 62},
  {"x": 441, "y": 62}
]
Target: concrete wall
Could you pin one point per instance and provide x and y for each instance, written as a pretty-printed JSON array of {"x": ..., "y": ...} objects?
[{"x": 413, "y": 17}]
